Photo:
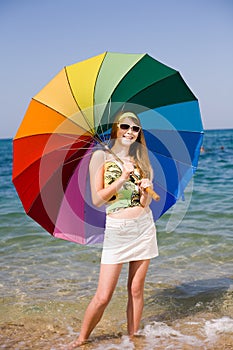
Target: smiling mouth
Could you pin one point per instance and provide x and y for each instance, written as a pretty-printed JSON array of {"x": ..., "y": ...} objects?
[{"x": 128, "y": 137}]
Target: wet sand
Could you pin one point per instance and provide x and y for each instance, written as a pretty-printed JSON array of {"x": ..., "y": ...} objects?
[
  {"x": 165, "y": 325},
  {"x": 37, "y": 333}
]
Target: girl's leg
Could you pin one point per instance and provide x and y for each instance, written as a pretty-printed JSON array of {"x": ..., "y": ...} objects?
[
  {"x": 136, "y": 280},
  {"x": 108, "y": 278}
]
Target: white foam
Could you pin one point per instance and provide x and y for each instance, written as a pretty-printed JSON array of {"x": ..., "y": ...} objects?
[
  {"x": 216, "y": 327},
  {"x": 125, "y": 344},
  {"x": 160, "y": 333}
]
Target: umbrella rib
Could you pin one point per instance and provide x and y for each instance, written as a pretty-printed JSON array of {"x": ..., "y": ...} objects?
[
  {"x": 69, "y": 136},
  {"x": 109, "y": 110},
  {"x": 97, "y": 139},
  {"x": 77, "y": 158},
  {"x": 175, "y": 73},
  {"x": 165, "y": 189},
  {"x": 71, "y": 148},
  {"x": 93, "y": 137},
  {"x": 178, "y": 161},
  {"x": 86, "y": 119},
  {"x": 77, "y": 139},
  {"x": 108, "y": 119},
  {"x": 97, "y": 76}
]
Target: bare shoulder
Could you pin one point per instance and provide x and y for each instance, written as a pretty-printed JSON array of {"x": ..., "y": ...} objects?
[{"x": 98, "y": 158}]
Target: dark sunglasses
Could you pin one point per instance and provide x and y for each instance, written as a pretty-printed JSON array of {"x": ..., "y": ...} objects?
[{"x": 134, "y": 128}]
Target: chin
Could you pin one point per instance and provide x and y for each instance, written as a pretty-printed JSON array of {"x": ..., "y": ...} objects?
[{"x": 127, "y": 141}]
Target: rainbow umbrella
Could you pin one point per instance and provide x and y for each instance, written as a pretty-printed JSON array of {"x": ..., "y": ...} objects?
[{"x": 73, "y": 114}]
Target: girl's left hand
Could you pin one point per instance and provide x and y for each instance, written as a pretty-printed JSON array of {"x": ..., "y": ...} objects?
[
  {"x": 144, "y": 183},
  {"x": 145, "y": 199}
]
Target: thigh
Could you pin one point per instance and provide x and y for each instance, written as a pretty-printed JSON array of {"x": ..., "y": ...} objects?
[
  {"x": 108, "y": 278},
  {"x": 137, "y": 271}
]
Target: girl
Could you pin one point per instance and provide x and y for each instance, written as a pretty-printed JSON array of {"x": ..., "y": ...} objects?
[{"x": 130, "y": 233}]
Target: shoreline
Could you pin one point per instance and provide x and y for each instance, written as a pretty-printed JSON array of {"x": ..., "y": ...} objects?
[
  {"x": 201, "y": 322},
  {"x": 203, "y": 331}
]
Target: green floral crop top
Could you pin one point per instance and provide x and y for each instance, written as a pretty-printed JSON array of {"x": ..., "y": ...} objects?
[{"x": 128, "y": 195}]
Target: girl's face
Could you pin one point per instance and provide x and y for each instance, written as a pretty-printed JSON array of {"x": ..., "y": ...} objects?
[{"x": 127, "y": 131}]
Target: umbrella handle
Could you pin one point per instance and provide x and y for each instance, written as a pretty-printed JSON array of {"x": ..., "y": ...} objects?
[
  {"x": 148, "y": 189},
  {"x": 152, "y": 193}
]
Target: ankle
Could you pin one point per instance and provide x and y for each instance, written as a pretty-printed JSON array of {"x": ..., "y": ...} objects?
[{"x": 76, "y": 344}]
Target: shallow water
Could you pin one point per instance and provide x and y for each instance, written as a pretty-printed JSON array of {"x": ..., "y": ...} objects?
[{"x": 47, "y": 283}]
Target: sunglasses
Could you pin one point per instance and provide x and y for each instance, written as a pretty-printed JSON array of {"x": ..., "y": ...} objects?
[{"x": 134, "y": 128}]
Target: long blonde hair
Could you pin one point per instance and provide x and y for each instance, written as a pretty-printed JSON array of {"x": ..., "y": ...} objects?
[{"x": 138, "y": 150}]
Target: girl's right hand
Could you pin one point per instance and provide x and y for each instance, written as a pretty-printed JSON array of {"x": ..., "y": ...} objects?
[{"x": 128, "y": 168}]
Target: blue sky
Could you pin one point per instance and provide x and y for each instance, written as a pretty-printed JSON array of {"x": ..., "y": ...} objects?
[{"x": 39, "y": 37}]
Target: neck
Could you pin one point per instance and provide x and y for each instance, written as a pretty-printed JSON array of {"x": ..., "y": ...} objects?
[{"x": 121, "y": 151}]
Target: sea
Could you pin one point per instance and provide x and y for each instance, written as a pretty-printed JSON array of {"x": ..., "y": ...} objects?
[{"x": 47, "y": 283}]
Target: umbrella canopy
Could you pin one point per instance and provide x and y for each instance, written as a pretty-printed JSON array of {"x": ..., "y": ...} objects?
[{"x": 74, "y": 112}]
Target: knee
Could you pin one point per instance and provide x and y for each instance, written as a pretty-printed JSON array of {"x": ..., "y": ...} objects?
[
  {"x": 102, "y": 299},
  {"x": 135, "y": 290}
]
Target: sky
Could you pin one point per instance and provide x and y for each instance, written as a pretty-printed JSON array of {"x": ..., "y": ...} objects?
[{"x": 39, "y": 37}]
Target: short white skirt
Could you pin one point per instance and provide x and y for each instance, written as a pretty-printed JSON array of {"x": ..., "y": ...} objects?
[{"x": 128, "y": 240}]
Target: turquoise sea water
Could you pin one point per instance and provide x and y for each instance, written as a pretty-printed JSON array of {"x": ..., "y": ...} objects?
[{"x": 47, "y": 283}]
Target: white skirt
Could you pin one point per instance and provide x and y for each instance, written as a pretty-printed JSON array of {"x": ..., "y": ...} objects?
[{"x": 128, "y": 240}]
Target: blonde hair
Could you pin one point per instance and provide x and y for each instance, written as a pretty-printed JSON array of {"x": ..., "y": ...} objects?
[{"x": 138, "y": 150}]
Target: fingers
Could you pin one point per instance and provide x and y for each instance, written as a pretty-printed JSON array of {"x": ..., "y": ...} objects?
[
  {"x": 144, "y": 183},
  {"x": 128, "y": 168}
]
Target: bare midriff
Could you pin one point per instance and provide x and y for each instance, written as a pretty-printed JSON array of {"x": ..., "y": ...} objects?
[{"x": 129, "y": 213}]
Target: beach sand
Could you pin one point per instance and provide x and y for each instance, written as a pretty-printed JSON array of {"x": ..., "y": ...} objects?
[
  {"x": 51, "y": 326},
  {"x": 39, "y": 333}
]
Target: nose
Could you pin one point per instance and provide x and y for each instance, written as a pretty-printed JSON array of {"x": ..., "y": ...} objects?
[{"x": 130, "y": 130}]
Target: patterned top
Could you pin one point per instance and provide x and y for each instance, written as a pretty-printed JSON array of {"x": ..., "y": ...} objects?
[{"x": 128, "y": 195}]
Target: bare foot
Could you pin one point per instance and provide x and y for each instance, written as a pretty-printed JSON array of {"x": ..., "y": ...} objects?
[{"x": 75, "y": 344}]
